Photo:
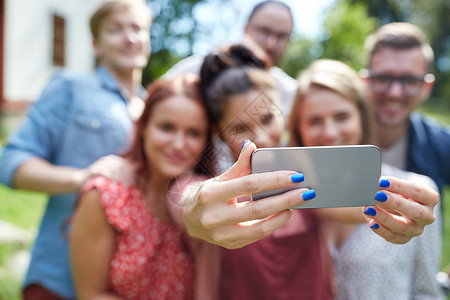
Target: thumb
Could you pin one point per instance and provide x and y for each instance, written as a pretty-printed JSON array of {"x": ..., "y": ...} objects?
[{"x": 242, "y": 166}]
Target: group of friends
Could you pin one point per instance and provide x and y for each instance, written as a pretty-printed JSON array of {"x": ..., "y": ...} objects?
[{"x": 149, "y": 188}]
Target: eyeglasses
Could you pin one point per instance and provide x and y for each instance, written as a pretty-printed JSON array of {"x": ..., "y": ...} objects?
[
  {"x": 265, "y": 33},
  {"x": 411, "y": 84}
]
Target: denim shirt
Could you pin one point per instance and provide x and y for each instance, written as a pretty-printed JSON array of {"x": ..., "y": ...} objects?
[
  {"x": 77, "y": 120},
  {"x": 429, "y": 150}
]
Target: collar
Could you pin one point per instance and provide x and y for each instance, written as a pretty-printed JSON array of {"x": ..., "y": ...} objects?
[{"x": 108, "y": 81}]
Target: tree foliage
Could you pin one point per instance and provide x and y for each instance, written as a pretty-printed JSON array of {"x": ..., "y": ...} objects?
[
  {"x": 345, "y": 29},
  {"x": 433, "y": 18}
]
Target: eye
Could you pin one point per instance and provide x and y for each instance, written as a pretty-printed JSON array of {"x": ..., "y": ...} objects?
[
  {"x": 313, "y": 121},
  {"x": 166, "y": 127},
  {"x": 267, "y": 119},
  {"x": 194, "y": 133},
  {"x": 342, "y": 116},
  {"x": 382, "y": 79},
  {"x": 411, "y": 81},
  {"x": 239, "y": 129}
]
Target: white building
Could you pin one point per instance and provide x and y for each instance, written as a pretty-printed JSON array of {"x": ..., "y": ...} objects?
[{"x": 37, "y": 37}]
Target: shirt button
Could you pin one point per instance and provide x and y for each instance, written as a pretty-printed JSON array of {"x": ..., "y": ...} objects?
[{"x": 95, "y": 123}]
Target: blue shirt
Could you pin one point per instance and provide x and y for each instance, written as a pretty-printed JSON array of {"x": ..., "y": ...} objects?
[
  {"x": 429, "y": 150},
  {"x": 77, "y": 120}
]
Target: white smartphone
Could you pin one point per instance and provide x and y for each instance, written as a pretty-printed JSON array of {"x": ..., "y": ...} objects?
[{"x": 342, "y": 176}]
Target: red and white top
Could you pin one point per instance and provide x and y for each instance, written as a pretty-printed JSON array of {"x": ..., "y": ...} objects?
[{"x": 150, "y": 260}]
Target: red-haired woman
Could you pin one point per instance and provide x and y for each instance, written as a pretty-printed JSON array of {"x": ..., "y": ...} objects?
[{"x": 123, "y": 240}]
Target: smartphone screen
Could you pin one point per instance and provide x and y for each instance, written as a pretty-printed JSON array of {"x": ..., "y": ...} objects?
[{"x": 342, "y": 176}]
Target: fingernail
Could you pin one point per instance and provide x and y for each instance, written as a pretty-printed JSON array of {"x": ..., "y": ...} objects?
[
  {"x": 298, "y": 177},
  {"x": 381, "y": 197},
  {"x": 309, "y": 194},
  {"x": 245, "y": 143},
  {"x": 370, "y": 212},
  {"x": 384, "y": 183},
  {"x": 375, "y": 226}
]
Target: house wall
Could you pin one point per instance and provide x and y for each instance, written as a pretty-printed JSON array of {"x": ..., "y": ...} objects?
[{"x": 28, "y": 38}]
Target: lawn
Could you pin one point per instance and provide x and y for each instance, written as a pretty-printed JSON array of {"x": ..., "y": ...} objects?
[{"x": 26, "y": 208}]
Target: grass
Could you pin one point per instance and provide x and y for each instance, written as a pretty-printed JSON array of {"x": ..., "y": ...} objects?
[{"x": 25, "y": 209}]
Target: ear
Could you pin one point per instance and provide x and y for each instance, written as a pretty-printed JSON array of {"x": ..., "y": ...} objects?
[
  {"x": 96, "y": 48},
  {"x": 427, "y": 87},
  {"x": 246, "y": 29}
]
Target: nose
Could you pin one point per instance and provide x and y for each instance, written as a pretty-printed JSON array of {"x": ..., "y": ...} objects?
[
  {"x": 130, "y": 35},
  {"x": 262, "y": 139},
  {"x": 395, "y": 89},
  {"x": 330, "y": 133},
  {"x": 179, "y": 141}
]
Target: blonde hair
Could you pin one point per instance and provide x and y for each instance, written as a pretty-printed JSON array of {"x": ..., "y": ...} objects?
[
  {"x": 110, "y": 6},
  {"x": 339, "y": 78}
]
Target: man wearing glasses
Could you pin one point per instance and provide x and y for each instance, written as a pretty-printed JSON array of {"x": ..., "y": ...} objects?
[
  {"x": 269, "y": 26},
  {"x": 399, "y": 79}
]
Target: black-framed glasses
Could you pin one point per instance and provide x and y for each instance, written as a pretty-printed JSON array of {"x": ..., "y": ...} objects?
[{"x": 411, "y": 84}]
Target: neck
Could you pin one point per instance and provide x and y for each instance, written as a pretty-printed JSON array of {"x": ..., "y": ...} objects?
[
  {"x": 388, "y": 135},
  {"x": 156, "y": 198},
  {"x": 128, "y": 79}
]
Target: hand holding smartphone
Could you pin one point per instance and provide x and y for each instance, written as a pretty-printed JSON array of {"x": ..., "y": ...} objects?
[{"x": 342, "y": 176}]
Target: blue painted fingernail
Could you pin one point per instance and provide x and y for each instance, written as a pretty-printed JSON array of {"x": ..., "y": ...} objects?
[
  {"x": 370, "y": 212},
  {"x": 309, "y": 194},
  {"x": 381, "y": 197},
  {"x": 384, "y": 183},
  {"x": 298, "y": 177},
  {"x": 375, "y": 226},
  {"x": 244, "y": 143}
]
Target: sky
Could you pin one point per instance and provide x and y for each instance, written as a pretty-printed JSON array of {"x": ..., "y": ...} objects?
[{"x": 308, "y": 19}]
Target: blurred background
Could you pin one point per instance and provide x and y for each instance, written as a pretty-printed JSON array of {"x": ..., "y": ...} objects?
[{"x": 38, "y": 37}]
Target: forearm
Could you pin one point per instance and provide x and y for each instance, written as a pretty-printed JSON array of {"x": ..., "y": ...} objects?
[{"x": 41, "y": 176}]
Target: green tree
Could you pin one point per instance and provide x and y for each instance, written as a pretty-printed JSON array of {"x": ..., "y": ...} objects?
[{"x": 345, "y": 29}]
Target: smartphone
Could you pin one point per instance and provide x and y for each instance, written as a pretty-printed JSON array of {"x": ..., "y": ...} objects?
[{"x": 342, "y": 176}]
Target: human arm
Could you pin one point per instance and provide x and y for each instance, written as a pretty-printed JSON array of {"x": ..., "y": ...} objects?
[
  {"x": 212, "y": 213},
  {"x": 39, "y": 175},
  {"x": 92, "y": 241}
]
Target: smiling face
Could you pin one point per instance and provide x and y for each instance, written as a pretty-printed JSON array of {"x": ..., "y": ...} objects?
[
  {"x": 175, "y": 136},
  {"x": 123, "y": 40},
  {"x": 328, "y": 119},
  {"x": 252, "y": 115},
  {"x": 270, "y": 27},
  {"x": 393, "y": 106}
]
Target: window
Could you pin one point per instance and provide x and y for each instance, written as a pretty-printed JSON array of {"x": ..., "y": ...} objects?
[{"x": 58, "y": 41}]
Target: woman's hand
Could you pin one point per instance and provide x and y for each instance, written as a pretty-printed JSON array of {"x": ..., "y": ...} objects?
[
  {"x": 403, "y": 209},
  {"x": 211, "y": 211}
]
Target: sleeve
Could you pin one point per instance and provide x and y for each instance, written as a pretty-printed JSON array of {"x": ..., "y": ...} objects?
[
  {"x": 427, "y": 262},
  {"x": 41, "y": 131},
  {"x": 112, "y": 199}
]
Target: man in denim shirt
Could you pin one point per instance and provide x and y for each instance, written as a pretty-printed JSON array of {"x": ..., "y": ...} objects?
[{"x": 77, "y": 120}]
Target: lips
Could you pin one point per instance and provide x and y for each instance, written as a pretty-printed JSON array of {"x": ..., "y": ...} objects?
[{"x": 175, "y": 158}]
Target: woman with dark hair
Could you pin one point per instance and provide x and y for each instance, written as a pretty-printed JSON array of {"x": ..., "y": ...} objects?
[{"x": 123, "y": 241}]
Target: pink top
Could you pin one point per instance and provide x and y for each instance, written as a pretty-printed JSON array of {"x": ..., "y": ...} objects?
[
  {"x": 150, "y": 260},
  {"x": 292, "y": 263}
]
